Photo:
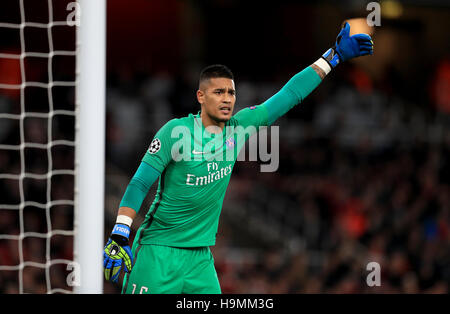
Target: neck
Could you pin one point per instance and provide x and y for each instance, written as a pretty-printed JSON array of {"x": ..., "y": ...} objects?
[{"x": 210, "y": 124}]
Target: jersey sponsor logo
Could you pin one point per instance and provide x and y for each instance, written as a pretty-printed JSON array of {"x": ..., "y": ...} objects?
[
  {"x": 195, "y": 152},
  {"x": 155, "y": 146},
  {"x": 212, "y": 176}
]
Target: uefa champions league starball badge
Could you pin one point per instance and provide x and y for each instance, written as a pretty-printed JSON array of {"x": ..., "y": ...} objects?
[{"x": 155, "y": 146}]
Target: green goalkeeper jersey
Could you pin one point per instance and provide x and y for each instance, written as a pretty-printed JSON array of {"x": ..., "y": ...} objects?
[{"x": 195, "y": 167}]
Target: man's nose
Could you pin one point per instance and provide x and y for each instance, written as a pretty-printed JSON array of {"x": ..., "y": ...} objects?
[{"x": 226, "y": 98}]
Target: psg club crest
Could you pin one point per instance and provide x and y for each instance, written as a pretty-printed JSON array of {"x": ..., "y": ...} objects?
[
  {"x": 230, "y": 142},
  {"x": 155, "y": 146}
]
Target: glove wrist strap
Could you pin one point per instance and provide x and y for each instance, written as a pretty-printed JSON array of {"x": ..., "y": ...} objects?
[
  {"x": 121, "y": 230},
  {"x": 331, "y": 57}
]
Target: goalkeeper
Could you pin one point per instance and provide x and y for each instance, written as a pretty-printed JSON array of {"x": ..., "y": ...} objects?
[{"x": 170, "y": 253}]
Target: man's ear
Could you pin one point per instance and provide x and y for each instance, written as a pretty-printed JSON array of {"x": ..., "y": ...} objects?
[{"x": 200, "y": 96}]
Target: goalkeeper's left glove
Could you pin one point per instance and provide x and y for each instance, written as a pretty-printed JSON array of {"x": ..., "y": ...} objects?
[
  {"x": 348, "y": 47},
  {"x": 117, "y": 253}
]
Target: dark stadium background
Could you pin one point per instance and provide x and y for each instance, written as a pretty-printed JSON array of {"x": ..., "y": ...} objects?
[{"x": 363, "y": 175}]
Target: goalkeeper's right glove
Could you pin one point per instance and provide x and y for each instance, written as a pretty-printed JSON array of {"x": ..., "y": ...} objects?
[{"x": 117, "y": 253}]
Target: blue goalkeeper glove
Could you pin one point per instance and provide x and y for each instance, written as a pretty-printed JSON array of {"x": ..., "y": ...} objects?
[
  {"x": 348, "y": 47},
  {"x": 117, "y": 253}
]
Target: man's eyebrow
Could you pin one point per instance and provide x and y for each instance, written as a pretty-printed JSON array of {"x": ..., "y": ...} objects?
[{"x": 219, "y": 89}]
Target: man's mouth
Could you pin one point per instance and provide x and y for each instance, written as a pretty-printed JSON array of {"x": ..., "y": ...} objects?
[{"x": 225, "y": 109}]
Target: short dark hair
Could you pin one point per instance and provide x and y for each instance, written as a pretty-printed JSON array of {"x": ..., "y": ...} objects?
[{"x": 215, "y": 71}]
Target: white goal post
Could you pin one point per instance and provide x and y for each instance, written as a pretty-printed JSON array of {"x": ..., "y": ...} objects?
[{"x": 90, "y": 144}]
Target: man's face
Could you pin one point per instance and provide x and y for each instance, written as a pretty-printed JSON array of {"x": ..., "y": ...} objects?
[{"x": 217, "y": 97}]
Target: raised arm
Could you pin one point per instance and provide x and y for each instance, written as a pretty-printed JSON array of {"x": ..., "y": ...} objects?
[{"x": 304, "y": 82}]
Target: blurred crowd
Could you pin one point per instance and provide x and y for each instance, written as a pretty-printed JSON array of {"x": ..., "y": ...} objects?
[{"x": 335, "y": 212}]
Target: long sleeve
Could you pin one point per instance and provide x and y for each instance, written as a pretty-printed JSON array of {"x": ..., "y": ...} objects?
[
  {"x": 139, "y": 186},
  {"x": 293, "y": 93}
]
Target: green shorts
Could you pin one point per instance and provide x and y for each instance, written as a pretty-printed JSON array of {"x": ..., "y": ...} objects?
[{"x": 162, "y": 269}]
